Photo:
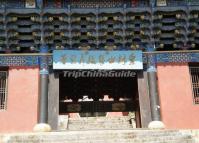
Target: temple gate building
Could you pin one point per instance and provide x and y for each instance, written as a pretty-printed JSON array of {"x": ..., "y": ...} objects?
[{"x": 67, "y": 60}]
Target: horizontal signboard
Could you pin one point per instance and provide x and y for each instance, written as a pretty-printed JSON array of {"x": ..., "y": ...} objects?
[{"x": 74, "y": 59}]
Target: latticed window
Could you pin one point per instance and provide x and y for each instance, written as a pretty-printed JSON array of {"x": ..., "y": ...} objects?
[
  {"x": 3, "y": 89},
  {"x": 194, "y": 71}
]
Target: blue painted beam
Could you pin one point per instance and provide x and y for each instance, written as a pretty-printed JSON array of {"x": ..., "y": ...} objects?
[{"x": 160, "y": 57}]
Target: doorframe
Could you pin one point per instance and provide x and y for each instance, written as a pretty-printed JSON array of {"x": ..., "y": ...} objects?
[
  {"x": 144, "y": 99},
  {"x": 143, "y": 93},
  {"x": 53, "y": 100}
]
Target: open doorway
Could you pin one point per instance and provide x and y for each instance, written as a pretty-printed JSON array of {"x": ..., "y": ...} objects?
[{"x": 107, "y": 97}]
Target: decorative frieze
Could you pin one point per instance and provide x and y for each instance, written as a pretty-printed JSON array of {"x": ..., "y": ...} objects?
[
  {"x": 113, "y": 25},
  {"x": 159, "y": 57}
]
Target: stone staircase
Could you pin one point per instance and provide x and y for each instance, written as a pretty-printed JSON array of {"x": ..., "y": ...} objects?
[
  {"x": 103, "y": 136},
  {"x": 93, "y": 123}
]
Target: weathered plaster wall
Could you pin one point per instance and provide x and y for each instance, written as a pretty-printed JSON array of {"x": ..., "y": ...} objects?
[
  {"x": 21, "y": 113},
  {"x": 176, "y": 100}
]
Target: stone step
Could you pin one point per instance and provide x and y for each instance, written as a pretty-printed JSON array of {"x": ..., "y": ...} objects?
[
  {"x": 99, "y": 118},
  {"x": 102, "y": 136},
  {"x": 100, "y": 123},
  {"x": 94, "y": 122}
]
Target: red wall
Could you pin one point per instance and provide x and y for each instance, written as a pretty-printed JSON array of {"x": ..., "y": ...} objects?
[
  {"x": 21, "y": 113},
  {"x": 177, "y": 108}
]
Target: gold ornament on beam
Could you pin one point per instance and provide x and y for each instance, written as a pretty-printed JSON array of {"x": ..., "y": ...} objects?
[
  {"x": 62, "y": 34},
  {"x": 175, "y": 45},
  {"x": 16, "y": 34},
  {"x": 137, "y": 46},
  {"x": 18, "y": 48},
  {"x": 195, "y": 15},
  {"x": 133, "y": 47},
  {"x": 193, "y": 45},
  {"x": 88, "y": 18},
  {"x": 193, "y": 31},
  {"x": 32, "y": 48},
  {"x": 84, "y": 47},
  {"x": 132, "y": 17},
  {"x": 57, "y": 47},
  {"x": 160, "y": 16},
  {"x": 77, "y": 19},
  {"x": 105, "y": 33},
  {"x": 177, "y": 31},
  {"x": 110, "y": 47},
  {"x": 14, "y": 19},
  {"x": 161, "y": 45},
  {"x": 77, "y": 34},
  {"x": 61, "y": 18},
  {"x": 178, "y": 16},
  {"x": 105, "y": 18},
  {"x": 115, "y": 18},
  {"x": 158, "y": 32},
  {"x": 34, "y": 33},
  {"x": 88, "y": 34},
  {"x": 142, "y": 17},
  {"x": 114, "y": 33},
  {"x": 50, "y": 19},
  {"x": 52, "y": 34},
  {"x": 132, "y": 33},
  {"x": 32, "y": 18},
  {"x": 142, "y": 32}
]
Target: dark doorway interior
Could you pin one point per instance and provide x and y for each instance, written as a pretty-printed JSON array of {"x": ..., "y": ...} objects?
[{"x": 87, "y": 94}]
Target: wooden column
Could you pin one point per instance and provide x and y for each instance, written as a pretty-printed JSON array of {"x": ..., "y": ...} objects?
[
  {"x": 43, "y": 84},
  {"x": 144, "y": 99},
  {"x": 53, "y": 100},
  {"x": 152, "y": 84},
  {"x": 153, "y": 91}
]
